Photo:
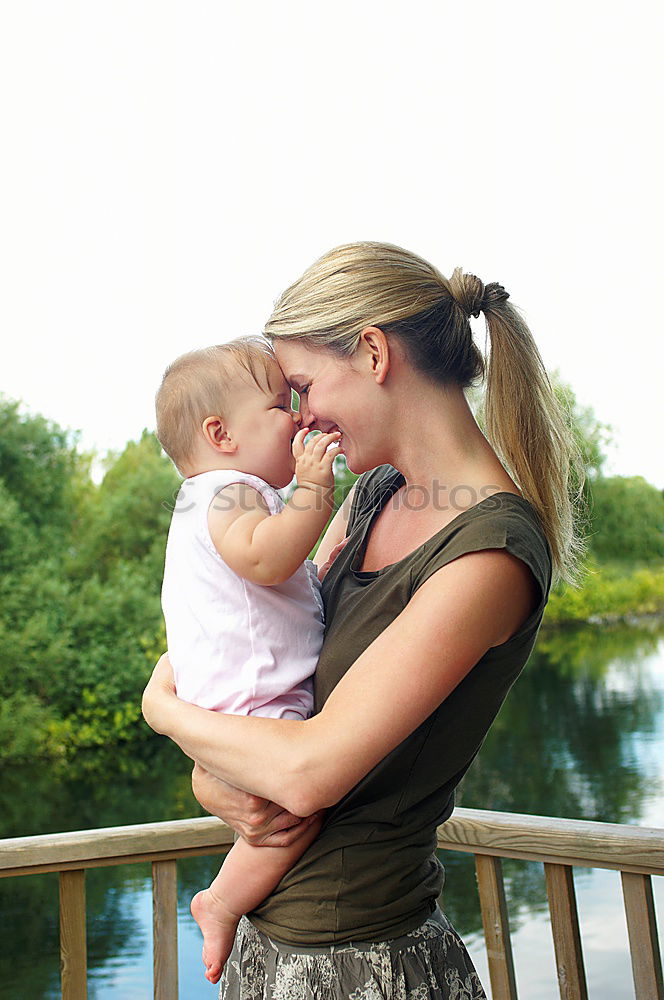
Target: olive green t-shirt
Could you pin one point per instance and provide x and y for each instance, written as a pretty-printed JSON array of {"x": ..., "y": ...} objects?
[{"x": 372, "y": 873}]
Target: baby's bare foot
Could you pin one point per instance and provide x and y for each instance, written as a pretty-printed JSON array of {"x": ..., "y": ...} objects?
[{"x": 218, "y": 926}]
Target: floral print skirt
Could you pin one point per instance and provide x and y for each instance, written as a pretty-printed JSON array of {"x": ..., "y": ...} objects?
[{"x": 430, "y": 963}]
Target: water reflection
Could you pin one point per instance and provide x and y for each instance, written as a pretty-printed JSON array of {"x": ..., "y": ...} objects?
[
  {"x": 581, "y": 735},
  {"x": 565, "y": 742},
  {"x": 569, "y": 741}
]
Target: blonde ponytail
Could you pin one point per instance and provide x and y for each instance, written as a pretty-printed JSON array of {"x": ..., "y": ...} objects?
[{"x": 527, "y": 426}]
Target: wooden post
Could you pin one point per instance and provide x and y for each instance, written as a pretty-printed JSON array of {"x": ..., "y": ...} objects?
[
  {"x": 643, "y": 941},
  {"x": 73, "y": 951},
  {"x": 496, "y": 927},
  {"x": 566, "y": 936},
  {"x": 165, "y": 929}
]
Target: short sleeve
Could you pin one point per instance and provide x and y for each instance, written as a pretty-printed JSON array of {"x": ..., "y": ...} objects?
[{"x": 502, "y": 521}]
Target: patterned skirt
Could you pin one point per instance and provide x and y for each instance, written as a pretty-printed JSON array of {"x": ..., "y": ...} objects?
[{"x": 429, "y": 963}]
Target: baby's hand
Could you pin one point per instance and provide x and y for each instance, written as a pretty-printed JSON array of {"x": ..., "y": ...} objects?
[{"x": 313, "y": 460}]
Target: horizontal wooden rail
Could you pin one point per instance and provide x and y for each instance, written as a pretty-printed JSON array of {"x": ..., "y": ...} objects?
[
  {"x": 478, "y": 831},
  {"x": 637, "y": 852},
  {"x": 116, "y": 845},
  {"x": 558, "y": 841}
]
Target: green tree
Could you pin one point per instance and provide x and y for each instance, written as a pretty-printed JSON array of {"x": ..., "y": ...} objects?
[
  {"x": 41, "y": 468},
  {"x": 592, "y": 435},
  {"x": 627, "y": 520},
  {"x": 127, "y": 517},
  {"x": 18, "y": 538},
  {"x": 80, "y": 616}
]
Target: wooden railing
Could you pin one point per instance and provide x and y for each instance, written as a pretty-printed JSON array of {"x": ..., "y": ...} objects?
[{"x": 560, "y": 844}]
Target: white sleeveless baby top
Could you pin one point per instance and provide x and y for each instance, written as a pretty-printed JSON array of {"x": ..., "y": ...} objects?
[{"x": 236, "y": 646}]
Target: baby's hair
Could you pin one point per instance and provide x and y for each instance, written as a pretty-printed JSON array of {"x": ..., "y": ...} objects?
[{"x": 199, "y": 385}]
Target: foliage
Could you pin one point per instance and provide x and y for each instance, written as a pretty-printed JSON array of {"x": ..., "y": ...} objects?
[
  {"x": 80, "y": 616},
  {"x": 24, "y": 726},
  {"x": 591, "y": 434},
  {"x": 608, "y": 594},
  {"x": 128, "y": 516},
  {"x": 627, "y": 520},
  {"x": 18, "y": 544},
  {"x": 41, "y": 468},
  {"x": 624, "y": 575}
]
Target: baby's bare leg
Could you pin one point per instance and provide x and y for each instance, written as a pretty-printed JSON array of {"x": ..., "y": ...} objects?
[{"x": 247, "y": 876}]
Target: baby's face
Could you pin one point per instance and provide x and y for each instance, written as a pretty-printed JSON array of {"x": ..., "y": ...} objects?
[{"x": 263, "y": 425}]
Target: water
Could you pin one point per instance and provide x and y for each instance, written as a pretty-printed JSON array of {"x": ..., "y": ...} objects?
[{"x": 581, "y": 735}]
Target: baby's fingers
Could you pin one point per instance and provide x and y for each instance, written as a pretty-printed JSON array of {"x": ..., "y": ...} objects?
[
  {"x": 327, "y": 459},
  {"x": 297, "y": 447},
  {"x": 322, "y": 442}
]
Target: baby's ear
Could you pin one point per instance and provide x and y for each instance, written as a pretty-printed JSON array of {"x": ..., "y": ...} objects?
[{"x": 216, "y": 435}]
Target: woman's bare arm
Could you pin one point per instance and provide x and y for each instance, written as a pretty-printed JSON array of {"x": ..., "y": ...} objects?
[
  {"x": 477, "y": 601},
  {"x": 258, "y": 821}
]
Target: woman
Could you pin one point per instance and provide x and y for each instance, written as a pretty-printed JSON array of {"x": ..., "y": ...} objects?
[{"x": 432, "y": 608}]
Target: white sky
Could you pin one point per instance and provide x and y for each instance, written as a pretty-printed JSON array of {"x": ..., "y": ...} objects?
[{"x": 168, "y": 168}]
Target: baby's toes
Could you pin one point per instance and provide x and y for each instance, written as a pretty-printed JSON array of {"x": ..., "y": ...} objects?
[{"x": 213, "y": 973}]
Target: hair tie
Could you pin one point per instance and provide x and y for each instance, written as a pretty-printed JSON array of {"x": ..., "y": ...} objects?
[{"x": 493, "y": 294}]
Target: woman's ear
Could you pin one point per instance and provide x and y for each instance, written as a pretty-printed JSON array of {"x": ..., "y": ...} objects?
[
  {"x": 375, "y": 351},
  {"x": 215, "y": 434}
]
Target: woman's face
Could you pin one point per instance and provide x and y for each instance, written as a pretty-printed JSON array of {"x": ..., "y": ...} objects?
[{"x": 332, "y": 397}]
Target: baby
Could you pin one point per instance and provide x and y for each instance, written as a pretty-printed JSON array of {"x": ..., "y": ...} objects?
[{"x": 244, "y": 616}]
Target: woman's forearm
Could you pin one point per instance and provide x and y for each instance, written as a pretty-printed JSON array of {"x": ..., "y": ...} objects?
[{"x": 267, "y": 757}]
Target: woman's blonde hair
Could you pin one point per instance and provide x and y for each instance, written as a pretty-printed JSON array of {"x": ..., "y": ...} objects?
[
  {"x": 377, "y": 284},
  {"x": 199, "y": 385}
]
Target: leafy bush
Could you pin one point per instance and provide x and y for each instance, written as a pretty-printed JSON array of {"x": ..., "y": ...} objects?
[
  {"x": 41, "y": 468},
  {"x": 627, "y": 520},
  {"x": 80, "y": 575},
  {"x": 607, "y": 594},
  {"x": 24, "y": 727}
]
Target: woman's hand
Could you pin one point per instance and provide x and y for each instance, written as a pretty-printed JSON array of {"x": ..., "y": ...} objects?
[
  {"x": 322, "y": 572},
  {"x": 159, "y": 695},
  {"x": 258, "y": 821}
]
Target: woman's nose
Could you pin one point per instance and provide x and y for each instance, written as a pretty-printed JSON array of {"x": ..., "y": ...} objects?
[{"x": 306, "y": 419}]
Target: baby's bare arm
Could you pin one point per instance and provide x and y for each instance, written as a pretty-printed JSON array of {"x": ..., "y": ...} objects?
[{"x": 268, "y": 549}]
